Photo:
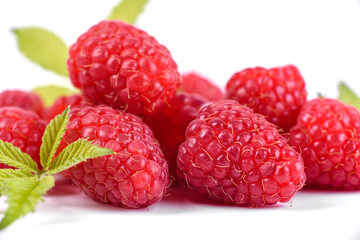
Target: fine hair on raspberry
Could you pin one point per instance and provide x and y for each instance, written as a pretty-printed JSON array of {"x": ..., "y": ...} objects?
[
  {"x": 122, "y": 66},
  {"x": 236, "y": 156},
  {"x": 327, "y": 136},
  {"x": 22, "y": 128},
  {"x": 135, "y": 176},
  {"x": 277, "y": 93}
]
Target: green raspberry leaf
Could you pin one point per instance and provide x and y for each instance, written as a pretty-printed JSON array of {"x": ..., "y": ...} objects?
[
  {"x": 53, "y": 134},
  {"x": 128, "y": 10},
  {"x": 347, "y": 96},
  {"x": 23, "y": 195},
  {"x": 50, "y": 93},
  {"x": 76, "y": 152},
  {"x": 43, "y": 47},
  {"x": 13, "y": 156},
  {"x": 7, "y": 173}
]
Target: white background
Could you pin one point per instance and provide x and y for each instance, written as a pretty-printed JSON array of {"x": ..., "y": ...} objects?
[{"x": 215, "y": 38}]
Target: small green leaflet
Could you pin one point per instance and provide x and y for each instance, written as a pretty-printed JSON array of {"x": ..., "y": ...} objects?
[
  {"x": 50, "y": 93},
  {"x": 25, "y": 186},
  {"x": 13, "y": 156},
  {"x": 43, "y": 47},
  {"x": 52, "y": 137},
  {"x": 347, "y": 96},
  {"x": 7, "y": 173},
  {"x": 76, "y": 152},
  {"x": 23, "y": 195},
  {"x": 128, "y": 10}
]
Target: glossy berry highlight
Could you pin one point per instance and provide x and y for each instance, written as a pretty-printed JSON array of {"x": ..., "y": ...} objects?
[
  {"x": 277, "y": 93},
  {"x": 119, "y": 65},
  {"x": 236, "y": 156},
  {"x": 23, "y": 129},
  {"x": 327, "y": 136},
  {"x": 136, "y": 176}
]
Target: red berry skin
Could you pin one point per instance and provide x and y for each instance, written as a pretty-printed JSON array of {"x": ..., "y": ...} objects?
[
  {"x": 121, "y": 66},
  {"x": 170, "y": 122},
  {"x": 327, "y": 136},
  {"x": 277, "y": 93},
  {"x": 236, "y": 156},
  {"x": 60, "y": 104},
  {"x": 22, "y": 99},
  {"x": 136, "y": 176},
  {"x": 196, "y": 84},
  {"x": 22, "y": 128}
]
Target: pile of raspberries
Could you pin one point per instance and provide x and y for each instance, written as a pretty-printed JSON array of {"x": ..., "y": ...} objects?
[{"x": 257, "y": 143}]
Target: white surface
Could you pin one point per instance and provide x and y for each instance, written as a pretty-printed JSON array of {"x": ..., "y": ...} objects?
[
  {"x": 216, "y": 38},
  {"x": 68, "y": 214}
]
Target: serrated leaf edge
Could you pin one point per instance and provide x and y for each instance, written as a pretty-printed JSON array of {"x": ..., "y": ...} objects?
[
  {"x": 75, "y": 153},
  {"x": 13, "y": 156},
  {"x": 52, "y": 137}
]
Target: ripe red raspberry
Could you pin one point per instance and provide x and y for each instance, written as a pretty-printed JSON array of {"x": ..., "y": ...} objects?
[
  {"x": 63, "y": 102},
  {"x": 195, "y": 83},
  {"x": 25, "y": 100},
  {"x": 235, "y": 155},
  {"x": 170, "y": 122},
  {"x": 277, "y": 93},
  {"x": 22, "y": 128},
  {"x": 136, "y": 176},
  {"x": 327, "y": 136},
  {"x": 119, "y": 65}
]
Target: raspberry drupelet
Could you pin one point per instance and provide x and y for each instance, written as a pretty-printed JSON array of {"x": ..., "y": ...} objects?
[
  {"x": 60, "y": 104},
  {"x": 119, "y": 65},
  {"x": 277, "y": 93},
  {"x": 22, "y": 99},
  {"x": 170, "y": 122},
  {"x": 136, "y": 176},
  {"x": 236, "y": 156},
  {"x": 23, "y": 129},
  {"x": 327, "y": 136},
  {"x": 195, "y": 83}
]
